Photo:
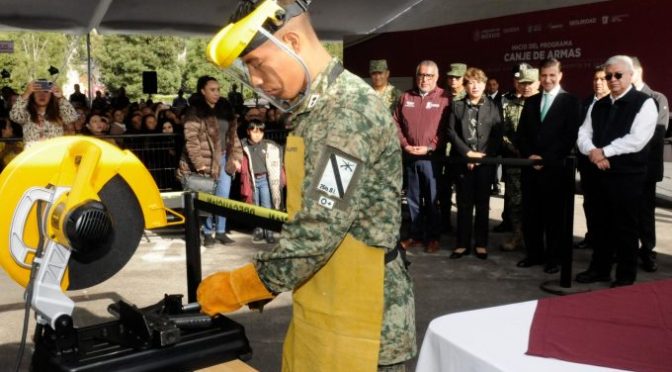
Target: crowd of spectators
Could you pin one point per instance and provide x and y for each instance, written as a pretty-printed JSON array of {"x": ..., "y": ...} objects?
[{"x": 440, "y": 130}]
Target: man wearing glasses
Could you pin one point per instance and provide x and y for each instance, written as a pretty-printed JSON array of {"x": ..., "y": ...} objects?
[
  {"x": 419, "y": 117},
  {"x": 614, "y": 136}
]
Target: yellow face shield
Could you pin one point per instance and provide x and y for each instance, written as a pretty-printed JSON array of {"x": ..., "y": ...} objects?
[{"x": 237, "y": 39}]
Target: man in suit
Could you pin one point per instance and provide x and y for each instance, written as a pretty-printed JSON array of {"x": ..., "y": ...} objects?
[
  {"x": 547, "y": 131},
  {"x": 654, "y": 174},
  {"x": 615, "y": 136},
  {"x": 492, "y": 90},
  {"x": 600, "y": 90}
]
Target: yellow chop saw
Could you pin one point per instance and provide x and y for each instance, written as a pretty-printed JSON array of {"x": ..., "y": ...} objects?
[{"x": 74, "y": 211}]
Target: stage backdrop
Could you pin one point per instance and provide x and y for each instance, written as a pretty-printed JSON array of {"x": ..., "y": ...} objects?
[{"x": 581, "y": 37}]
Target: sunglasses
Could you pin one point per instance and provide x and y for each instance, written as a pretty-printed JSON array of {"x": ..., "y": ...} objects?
[
  {"x": 617, "y": 75},
  {"x": 253, "y": 130}
]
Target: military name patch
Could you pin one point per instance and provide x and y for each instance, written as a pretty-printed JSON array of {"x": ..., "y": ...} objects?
[{"x": 337, "y": 175}]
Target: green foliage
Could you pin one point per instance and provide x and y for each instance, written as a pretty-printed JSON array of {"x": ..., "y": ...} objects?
[
  {"x": 33, "y": 53},
  {"x": 121, "y": 60},
  {"x": 196, "y": 65},
  {"x": 118, "y": 60}
]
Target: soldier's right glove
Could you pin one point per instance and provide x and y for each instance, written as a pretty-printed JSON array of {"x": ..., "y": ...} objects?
[{"x": 228, "y": 291}]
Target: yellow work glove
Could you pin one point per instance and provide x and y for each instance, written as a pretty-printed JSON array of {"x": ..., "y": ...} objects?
[{"x": 228, "y": 291}]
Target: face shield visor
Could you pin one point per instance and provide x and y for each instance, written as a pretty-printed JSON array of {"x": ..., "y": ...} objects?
[{"x": 231, "y": 44}]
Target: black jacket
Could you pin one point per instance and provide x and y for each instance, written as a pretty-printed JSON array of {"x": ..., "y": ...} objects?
[
  {"x": 554, "y": 138},
  {"x": 489, "y": 128}
]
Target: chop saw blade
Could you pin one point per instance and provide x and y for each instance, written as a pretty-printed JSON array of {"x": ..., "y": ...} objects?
[{"x": 83, "y": 194}]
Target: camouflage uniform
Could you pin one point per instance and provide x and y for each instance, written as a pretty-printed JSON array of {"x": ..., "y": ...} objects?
[
  {"x": 390, "y": 96},
  {"x": 512, "y": 109},
  {"x": 342, "y": 114}
]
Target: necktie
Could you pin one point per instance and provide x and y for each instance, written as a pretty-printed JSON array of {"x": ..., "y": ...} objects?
[{"x": 545, "y": 105}]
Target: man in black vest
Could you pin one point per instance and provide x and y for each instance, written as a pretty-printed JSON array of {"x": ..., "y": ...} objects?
[
  {"x": 614, "y": 136},
  {"x": 547, "y": 130},
  {"x": 654, "y": 174}
]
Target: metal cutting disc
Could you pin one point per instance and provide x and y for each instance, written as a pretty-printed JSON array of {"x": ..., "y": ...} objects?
[
  {"x": 127, "y": 222},
  {"x": 42, "y": 166}
]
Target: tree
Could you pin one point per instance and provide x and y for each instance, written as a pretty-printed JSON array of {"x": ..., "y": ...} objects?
[
  {"x": 33, "y": 53},
  {"x": 196, "y": 65},
  {"x": 121, "y": 59}
]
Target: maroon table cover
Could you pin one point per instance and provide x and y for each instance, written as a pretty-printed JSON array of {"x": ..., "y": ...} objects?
[{"x": 625, "y": 328}]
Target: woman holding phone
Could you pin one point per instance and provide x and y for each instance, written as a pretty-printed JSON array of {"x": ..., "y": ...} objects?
[{"x": 42, "y": 111}]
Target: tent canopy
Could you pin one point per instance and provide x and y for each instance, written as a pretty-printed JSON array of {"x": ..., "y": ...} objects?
[{"x": 333, "y": 19}]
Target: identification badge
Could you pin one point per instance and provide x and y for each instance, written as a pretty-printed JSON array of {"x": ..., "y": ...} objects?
[{"x": 335, "y": 178}]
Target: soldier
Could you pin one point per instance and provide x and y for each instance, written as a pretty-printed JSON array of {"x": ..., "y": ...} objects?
[
  {"x": 352, "y": 294},
  {"x": 455, "y": 80},
  {"x": 527, "y": 84},
  {"x": 455, "y": 89},
  {"x": 380, "y": 75}
]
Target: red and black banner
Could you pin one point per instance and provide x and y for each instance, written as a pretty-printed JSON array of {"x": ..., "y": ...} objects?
[{"x": 581, "y": 37}]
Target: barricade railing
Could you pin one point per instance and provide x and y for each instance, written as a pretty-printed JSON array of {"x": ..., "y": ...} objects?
[
  {"x": 270, "y": 219},
  {"x": 564, "y": 285}
]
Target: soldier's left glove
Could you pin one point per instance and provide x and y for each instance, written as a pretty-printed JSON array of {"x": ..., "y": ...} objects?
[{"x": 228, "y": 291}]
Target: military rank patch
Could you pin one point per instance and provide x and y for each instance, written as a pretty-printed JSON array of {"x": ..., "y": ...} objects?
[{"x": 335, "y": 178}]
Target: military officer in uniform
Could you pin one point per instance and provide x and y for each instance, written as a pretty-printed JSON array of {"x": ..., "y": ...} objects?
[
  {"x": 527, "y": 85},
  {"x": 352, "y": 296},
  {"x": 380, "y": 75},
  {"x": 455, "y": 81},
  {"x": 455, "y": 88}
]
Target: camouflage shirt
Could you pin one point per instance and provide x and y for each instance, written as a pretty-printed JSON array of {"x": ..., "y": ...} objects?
[
  {"x": 512, "y": 110},
  {"x": 390, "y": 96},
  {"x": 342, "y": 117}
]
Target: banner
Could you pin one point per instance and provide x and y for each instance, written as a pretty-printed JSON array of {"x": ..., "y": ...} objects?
[{"x": 581, "y": 37}]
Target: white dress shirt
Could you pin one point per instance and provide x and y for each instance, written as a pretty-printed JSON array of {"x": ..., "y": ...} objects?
[{"x": 640, "y": 133}]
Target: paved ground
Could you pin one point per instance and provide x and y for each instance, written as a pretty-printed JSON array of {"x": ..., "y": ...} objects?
[{"x": 442, "y": 286}]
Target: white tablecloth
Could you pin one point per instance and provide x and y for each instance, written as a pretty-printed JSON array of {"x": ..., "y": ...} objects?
[{"x": 488, "y": 340}]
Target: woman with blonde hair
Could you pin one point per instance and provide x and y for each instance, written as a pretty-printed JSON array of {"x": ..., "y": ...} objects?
[{"x": 475, "y": 131}]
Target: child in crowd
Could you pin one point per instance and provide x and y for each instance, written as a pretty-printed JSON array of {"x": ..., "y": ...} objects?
[
  {"x": 95, "y": 126},
  {"x": 262, "y": 174},
  {"x": 9, "y": 149}
]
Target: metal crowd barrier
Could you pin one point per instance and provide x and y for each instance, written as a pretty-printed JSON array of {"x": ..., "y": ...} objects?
[
  {"x": 159, "y": 153},
  {"x": 564, "y": 285}
]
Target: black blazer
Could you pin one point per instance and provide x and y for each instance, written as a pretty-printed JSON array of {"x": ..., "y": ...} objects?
[
  {"x": 490, "y": 128},
  {"x": 555, "y": 138}
]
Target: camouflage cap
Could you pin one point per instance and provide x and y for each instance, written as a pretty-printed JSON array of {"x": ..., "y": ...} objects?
[
  {"x": 528, "y": 75},
  {"x": 377, "y": 65},
  {"x": 457, "y": 69},
  {"x": 519, "y": 67}
]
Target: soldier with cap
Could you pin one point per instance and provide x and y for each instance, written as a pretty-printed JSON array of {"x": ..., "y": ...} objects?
[
  {"x": 512, "y": 95},
  {"x": 455, "y": 80},
  {"x": 527, "y": 85},
  {"x": 352, "y": 296},
  {"x": 380, "y": 75},
  {"x": 455, "y": 88}
]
